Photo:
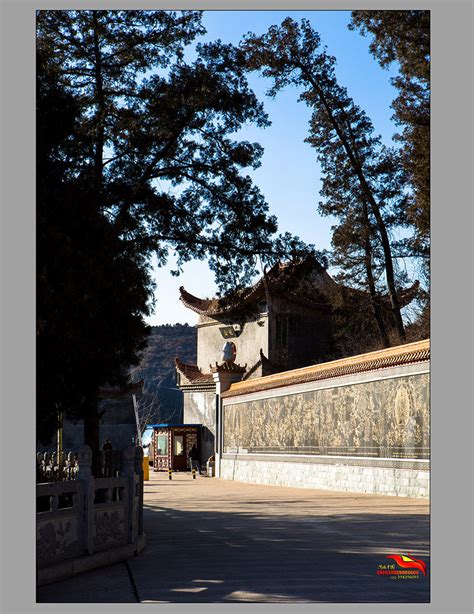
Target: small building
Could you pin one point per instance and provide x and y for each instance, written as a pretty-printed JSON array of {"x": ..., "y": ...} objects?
[
  {"x": 172, "y": 444},
  {"x": 296, "y": 315}
]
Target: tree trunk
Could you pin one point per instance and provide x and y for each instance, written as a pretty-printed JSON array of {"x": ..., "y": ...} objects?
[
  {"x": 91, "y": 413},
  {"x": 99, "y": 88},
  {"x": 370, "y": 279},
  {"x": 91, "y": 435},
  {"x": 389, "y": 271}
]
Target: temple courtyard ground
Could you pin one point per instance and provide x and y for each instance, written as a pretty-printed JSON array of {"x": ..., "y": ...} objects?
[{"x": 211, "y": 541}]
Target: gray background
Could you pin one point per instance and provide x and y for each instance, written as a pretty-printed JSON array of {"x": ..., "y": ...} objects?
[{"x": 451, "y": 560}]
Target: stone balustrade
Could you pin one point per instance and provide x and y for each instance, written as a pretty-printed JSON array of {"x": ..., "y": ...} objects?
[
  {"x": 84, "y": 522},
  {"x": 54, "y": 467}
]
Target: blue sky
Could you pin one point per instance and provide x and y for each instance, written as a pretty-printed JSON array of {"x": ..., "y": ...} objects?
[{"x": 289, "y": 176}]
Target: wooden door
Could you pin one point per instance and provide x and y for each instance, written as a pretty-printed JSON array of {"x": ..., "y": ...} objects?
[
  {"x": 161, "y": 445},
  {"x": 180, "y": 460}
]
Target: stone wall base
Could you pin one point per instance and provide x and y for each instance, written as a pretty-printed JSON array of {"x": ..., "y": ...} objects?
[
  {"x": 72, "y": 567},
  {"x": 336, "y": 476}
]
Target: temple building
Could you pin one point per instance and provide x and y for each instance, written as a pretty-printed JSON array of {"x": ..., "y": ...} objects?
[{"x": 296, "y": 315}]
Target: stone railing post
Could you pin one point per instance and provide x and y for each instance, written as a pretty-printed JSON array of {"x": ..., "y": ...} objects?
[
  {"x": 70, "y": 465},
  {"x": 84, "y": 473},
  {"x": 128, "y": 471},
  {"x": 139, "y": 500},
  {"x": 39, "y": 467}
]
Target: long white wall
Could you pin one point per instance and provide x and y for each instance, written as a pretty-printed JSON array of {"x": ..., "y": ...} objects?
[
  {"x": 340, "y": 476},
  {"x": 407, "y": 477}
]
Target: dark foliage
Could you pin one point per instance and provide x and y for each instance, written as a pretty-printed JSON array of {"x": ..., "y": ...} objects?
[
  {"x": 362, "y": 179},
  {"x": 135, "y": 157},
  {"x": 404, "y": 37},
  {"x": 92, "y": 286},
  {"x": 157, "y": 136}
]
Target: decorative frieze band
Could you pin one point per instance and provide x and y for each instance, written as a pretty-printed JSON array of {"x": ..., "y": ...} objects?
[{"x": 392, "y": 357}]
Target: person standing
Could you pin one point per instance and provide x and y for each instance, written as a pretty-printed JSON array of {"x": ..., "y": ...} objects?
[
  {"x": 194, "y": 459},
  {"x": 107, "y": 459},
  {"x": 107, "y": 445}
]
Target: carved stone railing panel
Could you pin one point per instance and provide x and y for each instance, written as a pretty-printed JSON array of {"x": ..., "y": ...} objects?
[
  {"x": 84, "y": 514},
  {"x": 138, "y": 491},
  {"x": 59, "y": 523},
  {"x": 111, "y": 513}
]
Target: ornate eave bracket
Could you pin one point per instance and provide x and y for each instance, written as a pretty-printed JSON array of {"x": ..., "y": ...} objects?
[{"x": 228, "y": 366}]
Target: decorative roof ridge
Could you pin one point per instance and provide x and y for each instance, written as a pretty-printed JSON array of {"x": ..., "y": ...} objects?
[
  {"x": 181, "y": 365},
  {"x": 214, "y": 306},
  {"x": 252, "y": 370},
  {"x": 418, "y": 351},
  {"x": 192, "y": 372},
  {"x": 228, "y": 366},
  {"x": 405, "y": 295},
  {"x": 192, "y": 302},
  {"x": 204, "y": 385},
  {"x": 277, "y": 275}
]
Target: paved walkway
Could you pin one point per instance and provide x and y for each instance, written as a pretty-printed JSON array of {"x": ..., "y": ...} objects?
[{"x": 212, "y": 540}]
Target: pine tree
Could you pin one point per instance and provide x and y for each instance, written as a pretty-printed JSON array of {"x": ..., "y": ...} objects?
[
  {"x": 93, "y": 285},
  {"x": 156, "y": 135},
  {"x": 361, "y": 178},
  {"x": 404, "y": 37},
  {"x": 137, "y": 159}
]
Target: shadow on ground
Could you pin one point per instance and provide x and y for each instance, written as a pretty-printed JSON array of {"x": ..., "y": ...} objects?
[{"x": 210, "y": 556}]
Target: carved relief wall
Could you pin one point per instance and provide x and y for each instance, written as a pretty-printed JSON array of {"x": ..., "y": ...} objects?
[
  {"x": 109, "y": 528},
  {"x": 58, "y": 539},
  {"x": 385, "y": 418}
]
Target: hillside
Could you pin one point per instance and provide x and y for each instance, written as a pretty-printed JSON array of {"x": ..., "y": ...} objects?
[{"x": 161, "y": 400}]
